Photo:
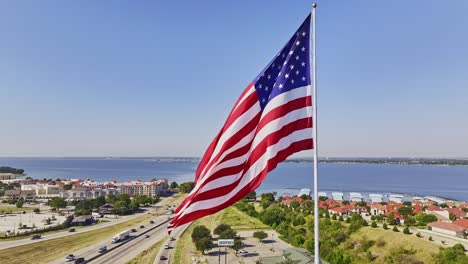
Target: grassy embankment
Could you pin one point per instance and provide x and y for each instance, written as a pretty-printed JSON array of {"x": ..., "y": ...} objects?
[
  {"x": 394, "y": 240},
  {"x": 48, "y": 250},
  {"x": 148, "y": 255},
  {"x": 232, "y": 216}
]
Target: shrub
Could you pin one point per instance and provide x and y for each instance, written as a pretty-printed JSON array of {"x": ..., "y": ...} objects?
[
  {"x": 406, "y": 231},
  {"x": 385, "y": 226},
  {"x": 374, "y": 224},
  {"x": 418, "y": 234},
  {"x": 395, "y": 229},
  {"x": 430, "y": 238}
]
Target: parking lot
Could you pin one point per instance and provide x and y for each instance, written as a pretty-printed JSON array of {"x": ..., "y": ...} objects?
[
  {"x": 13, "y": 222},
  {"x": 271, "y": 246}
]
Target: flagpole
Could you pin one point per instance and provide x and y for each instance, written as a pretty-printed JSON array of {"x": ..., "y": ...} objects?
[{"x": 313, "y": 70}]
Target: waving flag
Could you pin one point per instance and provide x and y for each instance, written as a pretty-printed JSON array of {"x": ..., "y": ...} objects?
[{"x": 271, "y": 120}]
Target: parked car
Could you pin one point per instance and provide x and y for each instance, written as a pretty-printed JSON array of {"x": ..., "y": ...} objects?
[
  {"x": 151, "y": 222},
  {"x": 70, "y": 258},
  {"x": 72, "y": 230},
  {"x": 102, "y": 249},
  {"x": 162, "y": 258},
  {"x": 142, "y": 226},
  {"x": 167, "y": 246},
  {"x": 241, "y": 251},
  {"x": 79, "y": 260},
  {"x": 36, "y": 237},
  {"x": 133, "y": 230},
  {"x": 171, "y": 239}
]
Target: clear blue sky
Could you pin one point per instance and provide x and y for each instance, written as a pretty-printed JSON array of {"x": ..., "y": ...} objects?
[{"x": 151, "y": 78}]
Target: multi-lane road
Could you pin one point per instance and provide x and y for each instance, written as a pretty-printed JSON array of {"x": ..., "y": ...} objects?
[{"x": 122, "y": 252}]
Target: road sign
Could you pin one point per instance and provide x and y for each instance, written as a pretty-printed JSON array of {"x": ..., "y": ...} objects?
[{"x": 225, "y": 242}]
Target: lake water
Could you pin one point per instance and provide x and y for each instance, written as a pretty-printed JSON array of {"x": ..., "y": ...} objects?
[{"x": 443, "y": 181}]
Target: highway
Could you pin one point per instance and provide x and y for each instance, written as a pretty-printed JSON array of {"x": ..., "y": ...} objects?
[
  {"x": 124, "y": 251},
  {"x": 176, "y": 234}
]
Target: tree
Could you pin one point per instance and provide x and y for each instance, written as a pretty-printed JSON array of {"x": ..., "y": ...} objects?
[
  {"x": 395, "y": 229},
  {"x": 406, "y": 231},
  {"x": 237, "y": 245},
  {"x": 174, "y": 185},
  {"x": 390, "y": 219},
  {"x": 221, "y": 228},
  {"x": 251, "y": 196},
  {"x": 424, "y": 219},
  {"x": 374, "y": 224},
  {"x": 305, "y": 197},
  {"x": 430, "y": 238},
  {"x": 265, "y": 203},
  {"x": 260, "y": 235},
  {"x": 268, "y": 196},
  {"x": 294, "y": 204},
  {"x": 385, "y": 226},
  {"x": 455, "y": 254},
  {"x": 19, "y": 204},
  {"x": 111, "y": 198},
  {"x": 186, "y": 187},
  {"x": 200, "y": 232},
  {"x": 37, "y": 210},
  {"x": 228, "y": 234},
  {"x": 204, "y": 244},
  {"x": 418, "y": 234},
  {"x": 125, "y": 198},
  {"x": 67, "y": 187},
  {"x": 57, "y": 202},
  {"x": 99, "y": 201},
  {"x": 452, "y": 216},
  {"x": 333, "y": 217},
  {"x": 341, "y": 219},
  {"x": 405, "y": 210}
]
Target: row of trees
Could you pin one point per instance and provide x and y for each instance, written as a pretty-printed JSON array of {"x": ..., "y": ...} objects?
[
  {"x": 123, "y": 203},
  {"x": 203, "y": 240}
]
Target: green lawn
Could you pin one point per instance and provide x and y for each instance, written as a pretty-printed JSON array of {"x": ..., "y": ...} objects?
[
  {"x": 239, "y": 220},
  {"x": 13, "y": 209},
  {"x": 148, "y": 255},
  {"x": 424, "y": 248}
]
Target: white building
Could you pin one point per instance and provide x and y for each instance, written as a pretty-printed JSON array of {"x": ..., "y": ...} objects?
[
  {"x": 337, "y": 196},
  {"x": 42, "y": 189},
  {"x": 134, "y": 188},
  {"x": 304, "y": 191},
  {"x": 397, "y": 198},
  {"x": 355, "y": 197},
  {"x": 375, "y": 198},
  {"x": 83, "y": 193}
]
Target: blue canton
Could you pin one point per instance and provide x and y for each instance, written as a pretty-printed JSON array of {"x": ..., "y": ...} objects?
[{"x": 290, "y": 69}]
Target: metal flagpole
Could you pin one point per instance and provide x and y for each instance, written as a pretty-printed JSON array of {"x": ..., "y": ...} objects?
[{"x": 313, "y": 70}]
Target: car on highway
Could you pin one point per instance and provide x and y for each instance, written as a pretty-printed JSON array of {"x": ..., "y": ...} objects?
[
  {"x": 162, "y": 258},
  {"x": 70, "y": 258},
  {"x": 72, "y": 230},
  {"x": 147, "y": 236},
  {"x": 171, "y": 239},
  {"x": 167, "y": 246},
  {"x": 36, "y": 237},
  {"x": 241, "y": 251},
  {"x": 151, "y": 222},
  {"x": 133, "y": 230},
  {"x": 102, "y": 249},
  {"x": 79, "y": 260},
  {"x": 142, "y": 226}
]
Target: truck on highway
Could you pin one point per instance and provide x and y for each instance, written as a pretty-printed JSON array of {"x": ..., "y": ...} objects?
[{"x": 120, "y": 236}]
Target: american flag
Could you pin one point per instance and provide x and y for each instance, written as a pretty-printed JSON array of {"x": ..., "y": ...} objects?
[{"x": 270, "y": 121}]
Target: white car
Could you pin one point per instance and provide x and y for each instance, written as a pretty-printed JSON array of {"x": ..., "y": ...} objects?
[
  {"x": 241, "y": 251},
  {"x": 166, "y": 246},
  {"x": 70, "y": 258}
]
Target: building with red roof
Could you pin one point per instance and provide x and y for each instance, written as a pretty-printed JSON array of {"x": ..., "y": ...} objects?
[{"x": 447, "y": 229}]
